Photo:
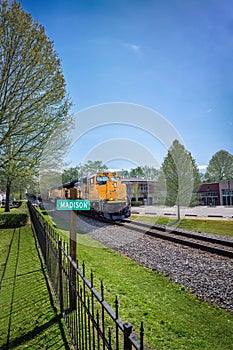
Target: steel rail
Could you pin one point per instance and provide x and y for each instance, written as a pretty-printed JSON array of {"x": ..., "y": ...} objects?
[
  {"x": 188, "y": 238},
  {"x": 214, "y": 245}
]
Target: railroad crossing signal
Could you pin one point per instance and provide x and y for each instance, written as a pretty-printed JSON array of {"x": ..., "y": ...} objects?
[{"x": 73, "y": 204}]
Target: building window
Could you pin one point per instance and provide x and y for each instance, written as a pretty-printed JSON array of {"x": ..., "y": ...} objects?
[
  {"x": 227, "y": 197},
  {"x": 209, "y": 198},
  {"x": 143, "y": 188}
]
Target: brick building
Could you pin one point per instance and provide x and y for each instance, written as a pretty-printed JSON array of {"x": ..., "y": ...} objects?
[
  {"x": 140, "y": 190},
  {"x": 217, "y": 193}
]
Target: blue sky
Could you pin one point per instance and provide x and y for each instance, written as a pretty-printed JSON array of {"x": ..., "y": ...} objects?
[{"x": 172, "y": 56}]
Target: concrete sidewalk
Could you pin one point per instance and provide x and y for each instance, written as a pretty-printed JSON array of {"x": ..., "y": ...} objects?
[{"x": 199, "y": 211}]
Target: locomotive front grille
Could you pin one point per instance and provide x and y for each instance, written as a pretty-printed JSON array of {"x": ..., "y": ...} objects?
[{"x": 113, "y": 206}]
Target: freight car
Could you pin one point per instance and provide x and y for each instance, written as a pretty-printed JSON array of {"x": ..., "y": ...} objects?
[
  {"x": 63, "y": 191},
  {"x": 106, "y": 192}
]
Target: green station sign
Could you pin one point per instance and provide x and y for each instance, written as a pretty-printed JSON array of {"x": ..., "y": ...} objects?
[{"x": 73, "y": 204}]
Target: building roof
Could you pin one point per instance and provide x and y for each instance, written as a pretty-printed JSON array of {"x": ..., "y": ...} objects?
[{"x": 135, "y": 179}]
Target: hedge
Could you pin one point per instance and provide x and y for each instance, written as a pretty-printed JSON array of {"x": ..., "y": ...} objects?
[
  {"x": 15, "y": 218},
  {"x": 136, "y": 203}
]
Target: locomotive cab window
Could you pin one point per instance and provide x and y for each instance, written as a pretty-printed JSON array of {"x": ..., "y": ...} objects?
[
  {"x": 91, "y": 180},
  {"x": 101, "y": 180},
  {"x": 116, "y": 178}
]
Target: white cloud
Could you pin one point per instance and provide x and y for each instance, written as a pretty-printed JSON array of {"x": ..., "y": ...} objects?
[
  {"x": 202, "y": 167},
  {"x": 133, "y": 47}
]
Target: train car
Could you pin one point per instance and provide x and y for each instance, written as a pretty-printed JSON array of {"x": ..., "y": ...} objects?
[
  {"x": 106, "y": 192},
  {"x": 59, "y": 192},
  {"x": 63, "y": 191},
  {"x": 107, "y": 195}
]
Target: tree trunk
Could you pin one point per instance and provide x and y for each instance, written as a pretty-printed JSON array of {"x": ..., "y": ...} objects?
[
  {"x": 8, "y": 192},
  {"x": 135, "y": 192},
  {"x": 178, "y": 212},
  {"x": 20, "y": 193}
]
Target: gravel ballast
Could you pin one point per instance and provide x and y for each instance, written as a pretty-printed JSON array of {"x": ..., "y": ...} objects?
[{"x": 208, "y": 276}]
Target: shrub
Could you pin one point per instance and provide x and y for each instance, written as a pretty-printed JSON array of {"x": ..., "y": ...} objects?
[
  {"x": 136, "y": 203},
  {"x": 15, "y": 218}
]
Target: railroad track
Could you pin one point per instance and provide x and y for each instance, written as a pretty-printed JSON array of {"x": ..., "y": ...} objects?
[
  {"x": 191, "y": 239},
  {"x": 196, "y": 240}
]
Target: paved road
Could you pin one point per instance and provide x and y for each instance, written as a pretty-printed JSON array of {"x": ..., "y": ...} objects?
[{"x": 199, "y": 211}]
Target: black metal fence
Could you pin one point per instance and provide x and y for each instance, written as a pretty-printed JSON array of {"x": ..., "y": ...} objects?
[{"x": 91, "y": 322}]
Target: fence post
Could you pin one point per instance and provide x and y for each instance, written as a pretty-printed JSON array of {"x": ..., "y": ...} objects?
[
  {"x": 127, "y": 331},
  {"x": 45, "y": 242},
  {"x": 141, "y": 336}
]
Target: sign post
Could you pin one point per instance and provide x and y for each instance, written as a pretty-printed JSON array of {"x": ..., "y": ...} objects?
[
  {"x": 72, "y": 205},
  {"x": 73, "y": 223}
]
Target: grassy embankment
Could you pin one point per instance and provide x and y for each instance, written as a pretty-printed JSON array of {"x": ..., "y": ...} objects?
[
  {"x": 173, "y": 318},
  {"x": 216, "y": 226},
  {"x": 29, "y": 318}
]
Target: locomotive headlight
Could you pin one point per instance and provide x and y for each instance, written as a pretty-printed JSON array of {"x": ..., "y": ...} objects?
[
  {"x": 111, "y": 199},
  {"x": 115, "y": 184}
]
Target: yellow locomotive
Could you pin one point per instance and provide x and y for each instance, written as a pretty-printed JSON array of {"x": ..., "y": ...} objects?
[{"x": 106, "y": 192}]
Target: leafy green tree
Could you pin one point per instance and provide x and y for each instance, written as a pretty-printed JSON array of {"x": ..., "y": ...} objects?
[
  {"x": 70, "y": 174},
  {"x": 202, "y": 177},
  {"x": 144, "y": 172},
  {"x": 136, "y": 191},
  {"x": 33, "y": 100},
  {"x": 52, "y": 159},
  {"x": 92, "y": 167},
  {"x": 137, "y": 172},
  {"x": 124, "y": 173},
  {"x": 22, "y": 184},
  {"x": 79, "y": 171},
  {"x": 180, "y": 177},
  {"x": 220, "y": 167},
  {"x": 150, "y": 173}
]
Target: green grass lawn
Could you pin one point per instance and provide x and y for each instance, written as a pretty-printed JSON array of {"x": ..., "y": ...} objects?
[
  {"x": 173, "y": 318},
  {"x": 215, "y": 226},
  {"x": 29, "y": 318}
]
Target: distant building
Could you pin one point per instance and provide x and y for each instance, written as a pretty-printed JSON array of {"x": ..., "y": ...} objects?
[
  {"x": 140, "y": 190},
  {"x": 209, "y": 194},
  {"x": 146, "y": 191},
  {"x": 2, "y": 196},
  {"x": 216, "y": 193}
]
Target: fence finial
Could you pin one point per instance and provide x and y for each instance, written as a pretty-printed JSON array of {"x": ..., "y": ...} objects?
[
  {"x": 127, "y": 331},
  {"x": 102, "y": 290}
]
